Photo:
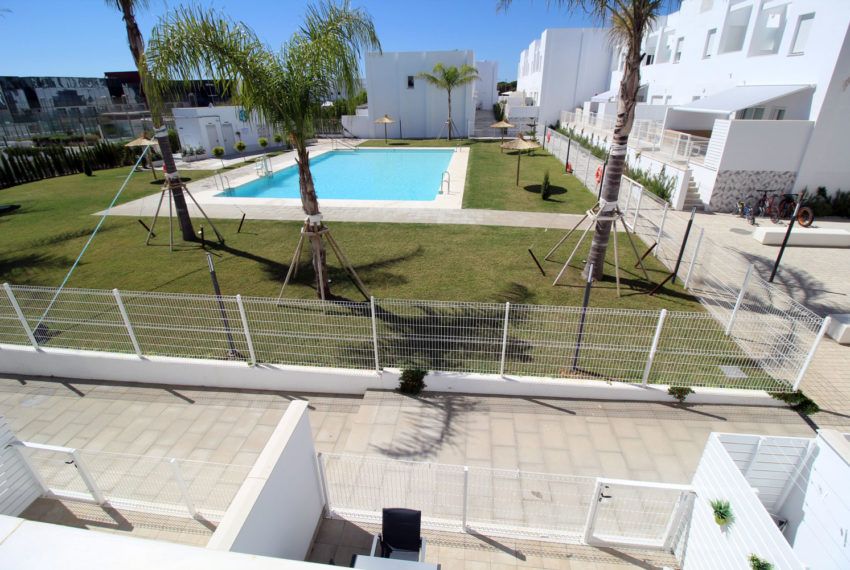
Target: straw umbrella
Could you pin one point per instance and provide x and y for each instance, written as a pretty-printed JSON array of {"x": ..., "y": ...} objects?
[
  {"x": 504, "y": 126},
  {"x": 142, "y": 141},
  {"x": 519, "y": 144},
  {"x": 385, "y": 120}
]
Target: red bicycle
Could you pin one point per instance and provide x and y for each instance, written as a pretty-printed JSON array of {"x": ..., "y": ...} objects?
[{"x": 784, "y": 209}]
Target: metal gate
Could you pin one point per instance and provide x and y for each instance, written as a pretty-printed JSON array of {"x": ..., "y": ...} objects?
[{"x": 637, "y": 514}]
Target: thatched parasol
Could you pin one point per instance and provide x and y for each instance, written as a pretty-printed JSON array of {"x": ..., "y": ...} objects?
[
  {"x": 142, "y": 141},
  {"x": 504, "y": 126},
  {"x": 519, "y": 144},
  {"x": 385, "y": 120}
]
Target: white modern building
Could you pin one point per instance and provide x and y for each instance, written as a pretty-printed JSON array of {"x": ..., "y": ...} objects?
[
  {"x": 740, "y": 96},
  {"x": 560, "y": 70},
  {"x": 485, "y": 93},
  {"x": 204, "y": 128},
  {"x": 419, "y": 109}
]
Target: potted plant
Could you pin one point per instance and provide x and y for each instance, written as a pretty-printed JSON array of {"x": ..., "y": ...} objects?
[
  {"x": 722, "y": 512},
  {"x": 218, "y": 152},
  {"x": 679, "y": 392},
  {"x": 757, "y": 563}
]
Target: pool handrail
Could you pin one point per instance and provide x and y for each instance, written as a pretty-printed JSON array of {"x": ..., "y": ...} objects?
[{"x": 446, "y": 178}]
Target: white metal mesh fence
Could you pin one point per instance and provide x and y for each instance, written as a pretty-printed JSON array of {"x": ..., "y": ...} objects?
[
  {"x": 765, "y": 348},
  {"x": 503, "y": 502},
  {"x": 159, "y": 485}
]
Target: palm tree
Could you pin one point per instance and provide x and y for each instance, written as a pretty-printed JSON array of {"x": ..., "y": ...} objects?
[
  {"x": 449, "y": 78},
  {"x": 284, "y": 89},
  {"x": 137, "y": 48},
  {"x": 629, "y": 20}
]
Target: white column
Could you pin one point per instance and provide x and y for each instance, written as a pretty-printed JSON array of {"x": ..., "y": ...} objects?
[
  {"x": 127, "y": 323},
  {"x": 504, "y": 339},
  {"x": 24, "y": 324},
  {"x": 654, "y": 348},
  {"x": 740, "y": 299},
  {"x": 244, "y": 316},
  {"x": 184, "y": 489}
]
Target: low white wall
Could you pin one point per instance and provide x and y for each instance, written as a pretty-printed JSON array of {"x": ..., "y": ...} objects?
[
  {"x": 710, "y": 546},
  {"x": 279, "y": 506},
  {"x": 91, "y": 365},
  {"x": 360, "y": 126},
  {"x": 765, "y": 145}
]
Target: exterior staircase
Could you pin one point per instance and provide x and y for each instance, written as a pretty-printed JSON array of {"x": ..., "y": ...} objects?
[
  {"x": 484, "y": 117},
  {"x": 692, "y": 199}
]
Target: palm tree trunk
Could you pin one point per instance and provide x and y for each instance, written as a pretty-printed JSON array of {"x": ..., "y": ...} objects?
[
  {"x": 310, "y": 203},
  {"x": 616, "y": 160},
  {"x": 450, "y": 114}
]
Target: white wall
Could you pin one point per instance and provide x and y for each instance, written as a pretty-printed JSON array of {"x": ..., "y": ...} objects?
[
  {"x": 818, "y": 507},
  {"x": 91, "y": 365},
  {"x": 279, "y": 506},
  {"x": 195, "y": 127},
  {"x": 18, "y": 485},
  {"x": 711, "y": 547},
  {"x": 423, "y": 110},
  {"x": 362, "y": 127},
  {"x": 564, "y": 67},
  {"x": 765, "y": 145},
  {"x": 485, "y": 92},
  {"x": 29, "y": 545}
]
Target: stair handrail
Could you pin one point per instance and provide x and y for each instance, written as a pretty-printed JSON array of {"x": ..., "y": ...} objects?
[{"x": 446, "y": 179}]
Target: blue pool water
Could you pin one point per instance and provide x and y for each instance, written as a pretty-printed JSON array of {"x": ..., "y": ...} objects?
[{"x": 364, "y": 174}]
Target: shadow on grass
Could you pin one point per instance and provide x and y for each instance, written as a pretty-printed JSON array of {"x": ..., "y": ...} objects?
[
  {"x": 553, "y": 190},
  {"x": 14, "y": 264}
]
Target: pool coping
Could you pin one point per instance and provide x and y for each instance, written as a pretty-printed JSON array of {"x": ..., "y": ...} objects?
[{"x": 206, "y": 190}]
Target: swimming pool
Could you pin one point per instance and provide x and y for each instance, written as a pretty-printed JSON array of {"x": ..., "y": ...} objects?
[{"x": 362, "y": 174}]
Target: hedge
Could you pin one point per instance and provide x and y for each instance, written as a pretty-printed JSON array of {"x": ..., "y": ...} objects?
[{"x": 19, "y": 165}]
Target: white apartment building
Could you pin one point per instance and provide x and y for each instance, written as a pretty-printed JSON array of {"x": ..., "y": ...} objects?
[
  {"x": 419, "y": 109},
  {"x": 745, "y": 95},
  {"x": 485, "y": 93},
  {"x": 559, "y": 70}
]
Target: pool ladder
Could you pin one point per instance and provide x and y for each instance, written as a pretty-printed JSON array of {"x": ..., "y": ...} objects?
[
  {"x": 446, "y": 182},
  {"x": 222, "y": 183}
]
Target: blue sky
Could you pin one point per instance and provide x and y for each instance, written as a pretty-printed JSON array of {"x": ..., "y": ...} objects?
[{"x": 86, "y": 37}]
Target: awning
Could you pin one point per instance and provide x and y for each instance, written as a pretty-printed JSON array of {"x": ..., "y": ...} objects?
[{"x": 741, "y": 97}]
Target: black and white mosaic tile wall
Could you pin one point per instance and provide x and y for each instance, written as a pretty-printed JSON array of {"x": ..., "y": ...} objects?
[{"x": 733, "y": 185}]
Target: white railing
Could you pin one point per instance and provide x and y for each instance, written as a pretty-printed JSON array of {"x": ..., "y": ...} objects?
[
  {"x": 635, "y": 346},
  {"x": 446, "y": 182},
  {"x": 158, "y": 485},
  {"x": 508, "y": 502},
  {"x": 715, "y": 274}
]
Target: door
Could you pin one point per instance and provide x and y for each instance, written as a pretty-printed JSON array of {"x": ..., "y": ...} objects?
[
  {"x": 637, "y": 514},
  {"x": 229, "y": 137},
  {"x": 212, "y": 137}
]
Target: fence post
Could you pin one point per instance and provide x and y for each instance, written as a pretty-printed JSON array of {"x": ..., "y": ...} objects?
[
  {"x": 244, "y": 316},
  {"x": 661, "y": 229},
  {"x": 323, "y": 481},
  {"x": 637, "y": 209},
  {"x": 654, "y": 348},
  {"x": 465, "y": 495},
  {"x": 375, "y": 334},
  {"x": 504, "y": 339},
  {"x": 694, "y": 258},
  {"x": 740, "y": 299},
  {"x": 184, "y": 489},
  {"x": 20, "y": 314},
  {"x": 811, "y": 354},
  {"x": 629, "y": 198},
  {"x": 127, "y": 323},
  {"x": 85, "y": 475}
]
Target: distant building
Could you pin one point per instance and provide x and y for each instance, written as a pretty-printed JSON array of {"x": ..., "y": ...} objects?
[
  {"x": 419, "y": 109},
  {"x": 559, "y": 70},
  {"x": 204, "y": 128}
]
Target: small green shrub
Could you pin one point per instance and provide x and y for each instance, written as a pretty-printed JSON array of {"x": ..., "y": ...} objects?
[
  {"x": 87, "y": 168},
  {"x": 173, "y": 139},
  {"x": 546, "y": 187},
  {"x": 263, "y": 142},
  {"x": 757, "y": 563},
  {"x": 679, "y": 392},
  {"x": 722, "y": 512},
  {"x": 218, "y": 151},
  {"x": 239, "y": 146},
  {"x": 278, "y": 138},
  {"x": 798, "y": 401},
  {"x": 412, "y": 381},
  {"x": 499, "y": 111},
  {"x": 661, "y": 184}
]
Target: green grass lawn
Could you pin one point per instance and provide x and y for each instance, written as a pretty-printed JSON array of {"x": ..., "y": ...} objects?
[
  {"x": 420, "y": 261},
  {"x": 491, "y": 178}
]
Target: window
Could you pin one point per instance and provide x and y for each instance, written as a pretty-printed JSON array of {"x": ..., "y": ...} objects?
[
  {"x": 656, "y": 100},
  {"x": 710, "y": 43},
  {"x": 649, "y": 59},
  {"x": 752, "y": 114},
  {"x": 410, "y": 82},
  {"x": 677, "y": 57},
  {"x": 706, "y": 5},
  {"x": 801, "y": 36},
  {"x": 778, "y": 114},
  {"x": 735, "y": 29}
]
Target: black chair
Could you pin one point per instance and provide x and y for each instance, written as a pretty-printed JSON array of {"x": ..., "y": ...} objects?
[{"x": 400, "y": 536}]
